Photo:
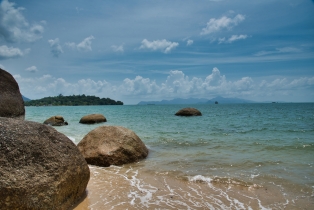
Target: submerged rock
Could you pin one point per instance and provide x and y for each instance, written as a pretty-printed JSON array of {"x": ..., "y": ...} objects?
[
  {"x": 188, "y": 112},
  {"x": 55, "y": 121},
  {"x": 40, "y": 167},
  {"x": 112, "y": 145},
  {"x": 93, "y": 118},
  {"x": 11, "y": 101}
]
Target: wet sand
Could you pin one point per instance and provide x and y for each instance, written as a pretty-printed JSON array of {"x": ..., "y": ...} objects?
[{"x": 133, "y": 188}]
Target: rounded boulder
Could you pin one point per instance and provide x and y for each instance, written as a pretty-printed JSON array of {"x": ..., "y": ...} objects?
[
  {"x": 112, "y": 145},
  {"x": 188, "y": 112},
  {"x": 55, "y": 121},
  {"x": 93, "y": 118},
  {"x": 11, "y": 101},
  {"x": 40, "y": 167}
]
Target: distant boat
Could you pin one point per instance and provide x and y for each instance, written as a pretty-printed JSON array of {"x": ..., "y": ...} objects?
[
  {"x": 150, "y": 104},
  {"x": 216, "y": 102}
]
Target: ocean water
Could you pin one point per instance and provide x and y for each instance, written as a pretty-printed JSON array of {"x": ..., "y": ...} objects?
[{"x": 234, "y": 156}]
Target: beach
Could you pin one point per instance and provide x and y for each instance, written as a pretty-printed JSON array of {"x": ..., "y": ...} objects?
[{"x": 234, "y": 156}]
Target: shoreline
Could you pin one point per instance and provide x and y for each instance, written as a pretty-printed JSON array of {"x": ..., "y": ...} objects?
[{"x": 129, "y": 187}]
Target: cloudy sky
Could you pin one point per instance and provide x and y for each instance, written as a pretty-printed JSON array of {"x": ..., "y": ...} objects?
[{"x": 140, "y": 50}]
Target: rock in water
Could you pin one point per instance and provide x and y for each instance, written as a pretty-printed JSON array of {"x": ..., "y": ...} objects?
[
  {"x": 11, "y": 101},
  {"x": 40, "y": 168},
  {"x": 188, "y": 112},
  {"x": 55, "y": 121},
  {"x": 112, "y": 145},
  {"x": 93, "y": 118}
]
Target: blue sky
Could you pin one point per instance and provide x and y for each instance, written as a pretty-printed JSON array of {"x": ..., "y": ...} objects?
[{"x": 143, "y": 50}]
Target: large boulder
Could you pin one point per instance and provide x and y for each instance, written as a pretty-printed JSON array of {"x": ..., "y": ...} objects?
[
  {"x": 40, "y": 168},
  {"x": 11, "y": 101},
  {"x": 55, "y": 121},
  {"x": 93, "y": 118},
  {"x": 112, "y": 145},
  {"x": 188, "y": 112}
]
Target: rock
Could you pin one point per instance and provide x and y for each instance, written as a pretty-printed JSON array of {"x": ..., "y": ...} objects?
[
  {"x": 11, "y": 101},
  {"x": 40, "y": 168},
  {"x": 93, "y": 118},
  {"x": 188, "y": 112},
  {"x": 55, "y": 121},
  {"x": 112, "y": 145}
]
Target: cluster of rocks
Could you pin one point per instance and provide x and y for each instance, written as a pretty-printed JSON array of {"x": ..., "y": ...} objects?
[
  {"x": 88, "y": 119},
  {"x": 42, "y": 168}
]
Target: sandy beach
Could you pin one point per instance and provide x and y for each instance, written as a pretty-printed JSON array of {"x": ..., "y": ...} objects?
[{"x": 130, "y": 188}]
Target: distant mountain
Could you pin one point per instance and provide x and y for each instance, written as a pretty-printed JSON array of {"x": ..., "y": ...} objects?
[
  {"x": 222, "y": 100},
  {"x": 176, "y": 101},
  {"x": 219, "y": 99},
  {"x": 25, "y": 99}
]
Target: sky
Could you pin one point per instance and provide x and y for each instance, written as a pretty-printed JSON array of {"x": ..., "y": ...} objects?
[{"x": 151, "y": 50}]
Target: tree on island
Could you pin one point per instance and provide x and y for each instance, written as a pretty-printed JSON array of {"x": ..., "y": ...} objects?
[{"x": 74, "y": 100}]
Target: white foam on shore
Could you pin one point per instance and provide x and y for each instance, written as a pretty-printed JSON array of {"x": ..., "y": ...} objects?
[
  {"x": 71, "y": 138},
  {"x": 132, "y": 188},
  {"x": 200, "y": 178}
]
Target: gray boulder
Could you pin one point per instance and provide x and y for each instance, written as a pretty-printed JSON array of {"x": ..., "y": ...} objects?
[
  {"x": 40, "y": 167},
  {"x": 112, "y": 145},
  {"x": 11, "y": 101}
]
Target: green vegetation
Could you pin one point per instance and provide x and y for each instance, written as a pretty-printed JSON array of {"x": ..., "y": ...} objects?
[{"x": 79, "y": 100}]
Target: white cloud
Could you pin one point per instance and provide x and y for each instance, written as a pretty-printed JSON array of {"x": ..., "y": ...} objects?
[
  {"x": 285, "y": 84},
  {"x": 279, "y": 50},
  {"x": 117, "y": 48},
  {"x": 232, "y": 38},
  {"x": 10, "y": 52},
  {"x": 31, "y": 69},
  {"x": 236, "y": 37},
  {"x": 163, "y": 45},
  {"x": 138, "y": 86},
  {"x": 47, "y": 85},
  {"x": 55, "y": 47},
  {"x": 14, "y": 27},
  {"x": 84, "y": 46},
  {"x": 175, "y": 85},
  {"x": 189, "y": 42},
  {"x": 215, "y": 25}
]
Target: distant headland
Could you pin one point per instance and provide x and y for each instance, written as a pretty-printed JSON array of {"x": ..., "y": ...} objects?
[{"x": 74, "y": 100}]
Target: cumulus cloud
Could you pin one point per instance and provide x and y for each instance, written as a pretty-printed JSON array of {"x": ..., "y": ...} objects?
[
  {"x": 84, "y": 46},
  {"x": 162, "y": 45},
  {"x": 48, "y": 85},
  {"x": 117, "y": 48},
  {"x": 215, "y": 25},
  {"x": 189, "y": 42},
  {"x": 14, "y": 27},
  {"x": 31, "y": 69},
  {"x": 176, "y": 85},
  {"x": 55, "y": 47},
  {"x": 10, "y": 52}
]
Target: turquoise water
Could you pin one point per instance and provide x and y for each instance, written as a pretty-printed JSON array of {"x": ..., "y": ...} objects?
[{"x": 251, "y": 144}]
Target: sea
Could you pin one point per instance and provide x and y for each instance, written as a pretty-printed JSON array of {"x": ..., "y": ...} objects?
[{"x": 234, "y": 156}]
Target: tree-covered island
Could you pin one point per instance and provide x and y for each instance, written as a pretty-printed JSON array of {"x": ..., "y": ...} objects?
[{"x": 74, "y": 100}]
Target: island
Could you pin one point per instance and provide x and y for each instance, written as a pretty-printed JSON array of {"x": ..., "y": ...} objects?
[{"x": 74, "y": 100}]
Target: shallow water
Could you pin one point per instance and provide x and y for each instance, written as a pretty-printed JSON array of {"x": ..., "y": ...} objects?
[{"x": 236, "y": 156}]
